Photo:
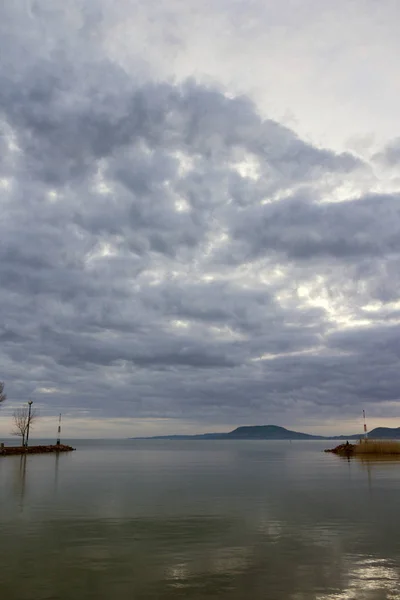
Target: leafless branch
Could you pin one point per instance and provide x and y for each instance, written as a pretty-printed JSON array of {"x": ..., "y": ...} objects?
[{"x": 23, "y": 421}]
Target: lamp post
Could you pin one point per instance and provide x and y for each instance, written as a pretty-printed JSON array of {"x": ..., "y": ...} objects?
[{"x": 29, "y": 422}]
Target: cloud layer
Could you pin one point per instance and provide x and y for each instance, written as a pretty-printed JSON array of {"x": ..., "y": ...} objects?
[{"x": 166, "y": 251}]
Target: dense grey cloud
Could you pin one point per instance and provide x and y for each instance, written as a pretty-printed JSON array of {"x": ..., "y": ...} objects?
[
  {"x": 302, "y": 230},
  {"x": 391, "y": 154},
  {"x": 168, "y": 252}
]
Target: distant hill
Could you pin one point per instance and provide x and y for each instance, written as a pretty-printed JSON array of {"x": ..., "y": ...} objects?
[
  {"x": 379, "y": 433},
  {"x": 274, "y": 432},
  {"x": 251, "y": 432},
  {"x": 385, "y": 433},
  {"x": 268, "y": 432}
]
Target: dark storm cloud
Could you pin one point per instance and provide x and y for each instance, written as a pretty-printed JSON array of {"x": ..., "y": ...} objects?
[
  {"x": 302, "y": 229},
  {"x": 139, "y": 261}
]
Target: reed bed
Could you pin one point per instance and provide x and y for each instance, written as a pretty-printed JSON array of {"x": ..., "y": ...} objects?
[{"x": 377, "y": 447}]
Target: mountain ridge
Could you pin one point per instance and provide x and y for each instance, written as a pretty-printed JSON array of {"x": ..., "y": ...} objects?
[{"x": 275, "y": 432}]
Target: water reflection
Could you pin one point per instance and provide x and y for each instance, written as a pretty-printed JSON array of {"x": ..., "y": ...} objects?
[
  {"x": 56, "y": 470},
  {"x": 255, "y": 523},
  {"x": 378, "y": 460},
  {"x": 369, "y": 578},
  {"x": 371, "y": 458},
  {"x": 20, "y": 479}
]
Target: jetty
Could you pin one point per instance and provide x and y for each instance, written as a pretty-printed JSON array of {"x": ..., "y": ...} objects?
[{"x": 15, "y": 450}]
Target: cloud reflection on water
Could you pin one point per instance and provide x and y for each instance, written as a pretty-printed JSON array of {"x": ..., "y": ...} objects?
[{"x": 248, "y": 524}]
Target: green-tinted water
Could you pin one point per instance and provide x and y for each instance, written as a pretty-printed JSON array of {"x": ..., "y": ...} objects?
[{"x": 163, "y": 520}]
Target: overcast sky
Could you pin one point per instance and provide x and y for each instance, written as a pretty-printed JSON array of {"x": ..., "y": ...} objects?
[{"x": 200, "y": 214}]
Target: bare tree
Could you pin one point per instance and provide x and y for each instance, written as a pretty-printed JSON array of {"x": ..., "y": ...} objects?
[
  {"x": 3, "y": 396},
  {"x": 23, "y": 420}
]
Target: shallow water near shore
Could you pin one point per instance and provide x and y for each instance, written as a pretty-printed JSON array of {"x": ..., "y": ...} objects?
[{"x": 198, "y": 519}]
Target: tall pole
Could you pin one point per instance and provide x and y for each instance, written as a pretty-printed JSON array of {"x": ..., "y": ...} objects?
[
  {"x": 59, "y": 430},
  {"x": 29, "y": 422},
  {"x": 365, "y": 427}
]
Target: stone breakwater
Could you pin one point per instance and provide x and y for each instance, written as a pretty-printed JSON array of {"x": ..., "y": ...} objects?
[
  {"x": 343, "y": 449},
  {"x": 13, "y": 450}
]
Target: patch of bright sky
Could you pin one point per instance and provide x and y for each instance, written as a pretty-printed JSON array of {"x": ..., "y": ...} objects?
[
  {"x": 5, "y": 183},
  {"x": 280, "y": 195},
  {"x": 256, "y": 275},
  {"x": 12, "y": 144},
  {"x": 101, "y": 250},
  {"x": 374, "y": 307},
  {"x": 101, "y": 185},
  {"x": 249, "y": 167},
  {"x": 215, "y": 240},
  {"x": 53, "y": 196},
  {"x": 314, "y": 293},
  {"x": 275, "y": 273},
  {"x": 315, "y": 350},
  {"x": 7, "y": 133},
  {"x": 182, "y": 205},
  {"x": 225, "y": 333},
  {"x": 213, "y": 331},
  {"x": 326, "y": 70},
  {"x": 378, "y": 181},
  {"x": 383, "y": 317},
  {"x": 186, "y": 163},
  {"x": 151, "y": 277},
  {"x": 180, "y": 324}
]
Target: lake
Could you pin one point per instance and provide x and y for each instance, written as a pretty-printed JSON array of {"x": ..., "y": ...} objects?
[{"x": 198, "y": 519}]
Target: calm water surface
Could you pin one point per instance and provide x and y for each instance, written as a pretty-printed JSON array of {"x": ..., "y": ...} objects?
[{"x": 207, "y": 519}]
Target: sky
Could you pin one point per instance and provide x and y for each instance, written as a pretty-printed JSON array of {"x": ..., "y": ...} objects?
[{"x": 200, "y": 215}]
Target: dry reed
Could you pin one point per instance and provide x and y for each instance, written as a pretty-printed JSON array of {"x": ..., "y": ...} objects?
[{"x": 377, "y": 447}]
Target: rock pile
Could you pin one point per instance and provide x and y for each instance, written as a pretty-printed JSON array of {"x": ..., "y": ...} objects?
[{"x": 12, "y": 450}]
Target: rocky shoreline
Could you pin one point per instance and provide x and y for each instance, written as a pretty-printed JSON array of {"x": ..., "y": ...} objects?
[
  {"x": 343, "y": 449},
  {"x": 14, "y": 450}
]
